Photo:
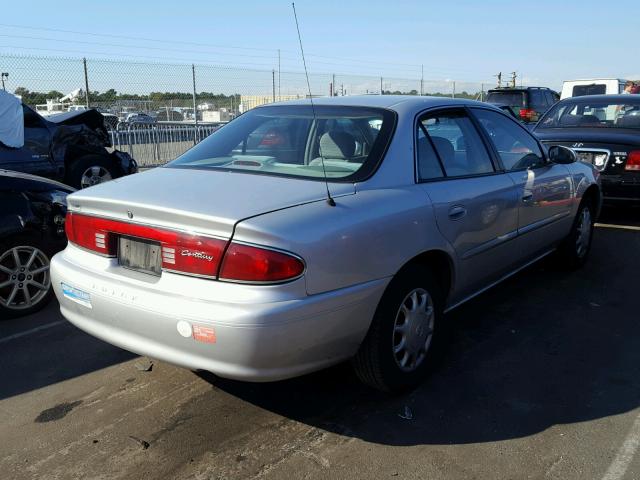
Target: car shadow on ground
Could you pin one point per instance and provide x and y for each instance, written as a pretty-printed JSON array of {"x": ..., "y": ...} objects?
[
  {"x": 56, "y": 353},
  {"x": 546, "y": 347}
]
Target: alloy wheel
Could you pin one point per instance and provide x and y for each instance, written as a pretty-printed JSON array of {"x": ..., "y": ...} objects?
[
  {"x": 94, "y": 175},
  {"x": 24, "y": 277},
  {"x": 413, "y": 329}
]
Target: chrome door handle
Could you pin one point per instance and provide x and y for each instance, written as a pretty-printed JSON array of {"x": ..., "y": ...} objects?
[{"x": 457, "y": 212}]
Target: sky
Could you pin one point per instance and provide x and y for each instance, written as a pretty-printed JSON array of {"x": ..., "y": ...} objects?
[{"x": 545, "y": 42}]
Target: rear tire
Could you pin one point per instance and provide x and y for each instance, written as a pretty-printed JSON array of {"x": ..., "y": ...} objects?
[
  {"x": 574, "y": 250},
  {"x": 91, "y": 170},
  {"x": 25, "y": 283},
  {"x": 406, "y": 335}
]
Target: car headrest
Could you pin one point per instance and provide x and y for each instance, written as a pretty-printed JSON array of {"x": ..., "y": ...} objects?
[
  {"x": 629, "y": 121},
  {"x": 589, "y": 119},
  {"x": 570, "y": 120},
  {"x": 445, "y": 149},
  {"x": 337, "y": 144}
]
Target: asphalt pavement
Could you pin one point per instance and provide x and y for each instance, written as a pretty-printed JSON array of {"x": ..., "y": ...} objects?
[{"x": 541, "y": 381}]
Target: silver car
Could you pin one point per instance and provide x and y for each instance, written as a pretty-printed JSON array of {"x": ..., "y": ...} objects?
[{"x": 240, "y": 259}]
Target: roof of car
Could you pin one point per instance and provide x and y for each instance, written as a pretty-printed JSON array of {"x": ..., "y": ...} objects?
[
  {"x": 399, "y": 103},
  {"x": 606, "y": 98}
]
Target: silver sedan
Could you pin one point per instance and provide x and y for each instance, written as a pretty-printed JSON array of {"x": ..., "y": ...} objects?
[{"x": 300, "y": 236}]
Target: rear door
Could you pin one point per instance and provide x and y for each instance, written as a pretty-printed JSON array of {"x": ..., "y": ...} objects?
[
  {"x": 37, "y": 140},
  {"x": 474, "y": 203},
  {"x": 544, "y": 189}
]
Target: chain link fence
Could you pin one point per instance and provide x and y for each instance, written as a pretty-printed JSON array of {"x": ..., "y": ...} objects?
[{"x": 158, "y": 110}]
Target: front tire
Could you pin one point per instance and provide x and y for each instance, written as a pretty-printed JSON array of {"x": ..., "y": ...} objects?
[
  {"x": 25, "y": 282},
  {"x": 406, "y": 334},
  {"x": 574, "y": 250}
]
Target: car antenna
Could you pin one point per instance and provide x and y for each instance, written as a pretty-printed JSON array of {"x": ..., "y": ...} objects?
[{"x": 330, "y": 199}]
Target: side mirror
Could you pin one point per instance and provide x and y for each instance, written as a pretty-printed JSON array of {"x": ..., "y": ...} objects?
[{"x": 562, "y": 155}]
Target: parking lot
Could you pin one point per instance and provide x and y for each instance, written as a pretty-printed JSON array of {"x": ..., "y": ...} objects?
[{"x": 541, "y": 381}]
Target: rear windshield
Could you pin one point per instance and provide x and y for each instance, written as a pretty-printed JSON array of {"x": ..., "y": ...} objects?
[
  {"x": 287, "y": 140},
  {"x": 594, "y": 89},
  {"x": 596, "y": 114},
  {"x": 515, "y": 100}
]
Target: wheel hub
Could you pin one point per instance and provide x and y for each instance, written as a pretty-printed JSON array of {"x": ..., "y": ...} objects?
[
  {"x": 413, "y": 329},
  {"x": 24, "y": 277}
]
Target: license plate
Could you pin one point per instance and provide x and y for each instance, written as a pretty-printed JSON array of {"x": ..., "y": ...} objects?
[{"x": 140, "y": 255}]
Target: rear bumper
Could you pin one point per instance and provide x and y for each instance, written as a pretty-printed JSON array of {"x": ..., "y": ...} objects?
[{"x": 259, "y": 335}]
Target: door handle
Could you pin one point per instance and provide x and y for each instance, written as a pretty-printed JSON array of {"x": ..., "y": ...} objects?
[
  {"x": 527, "y": 196},
  {"x": 457, "y": 212}
]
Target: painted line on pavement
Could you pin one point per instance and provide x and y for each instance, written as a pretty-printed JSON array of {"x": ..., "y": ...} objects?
[
  {"x": 33, "y": 330},
  {"x": 625, "y": 454},
  {"x": 618, "y": 227}
]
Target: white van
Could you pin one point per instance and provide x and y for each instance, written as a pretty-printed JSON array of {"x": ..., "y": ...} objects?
[{"x": 592, "y": 86}]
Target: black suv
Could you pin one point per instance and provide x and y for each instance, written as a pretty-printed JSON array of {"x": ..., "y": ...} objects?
[{"x": 528, "y": 103}]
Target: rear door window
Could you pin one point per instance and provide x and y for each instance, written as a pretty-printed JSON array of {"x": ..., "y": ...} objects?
[
  {"x": 449, "y": 145},
  {"x": 593, "y": 89}
]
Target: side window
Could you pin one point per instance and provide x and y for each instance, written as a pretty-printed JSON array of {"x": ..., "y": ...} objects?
[
  {"x": 550, "y": 99},
  {"x": 517, "y": 148},
  {"x": 452, "y": 141},
  {"x": 537, "y": 100}
]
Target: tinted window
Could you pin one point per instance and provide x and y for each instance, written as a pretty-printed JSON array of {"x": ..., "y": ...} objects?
[
  {"x": 290, "y": 140},
  {"x": 457, "y": 144},
  {"x": 595, "y": 89},
  {"x": 515, "y": 100},
  {"x": 537, "y": 100},
  {"x": 593, "y": 114},
  {"x": 517, "y": 148}
]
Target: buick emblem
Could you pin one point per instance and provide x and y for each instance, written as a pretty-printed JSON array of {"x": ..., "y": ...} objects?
[{"x": 129, "y": 214}]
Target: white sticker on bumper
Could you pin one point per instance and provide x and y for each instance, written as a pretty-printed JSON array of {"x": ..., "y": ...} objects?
[{"x": 76, "y": 295}]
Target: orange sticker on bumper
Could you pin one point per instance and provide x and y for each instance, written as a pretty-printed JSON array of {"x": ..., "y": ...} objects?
[{"x": 204, "y": 334}]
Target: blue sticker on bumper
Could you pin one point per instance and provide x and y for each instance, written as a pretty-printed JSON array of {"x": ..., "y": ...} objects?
[{"x": 76, "y": 295}]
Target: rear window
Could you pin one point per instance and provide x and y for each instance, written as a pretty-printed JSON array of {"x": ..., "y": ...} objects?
[
  {"x": 287, "y": 140},
  {"x": 594, "y": 89},
  {"x": 515, "y": 100},
  {"x": 593, "y": 114}
]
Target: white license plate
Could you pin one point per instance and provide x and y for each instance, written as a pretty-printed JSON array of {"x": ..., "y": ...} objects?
[{"x": 141, "y": 255}]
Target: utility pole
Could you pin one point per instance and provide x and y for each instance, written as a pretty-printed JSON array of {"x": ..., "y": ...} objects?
[
  {"x": 279, "y": 96},
  {"x": 381, "y": 90},
  {"x": 273, "y": 83},
  {"x": 453, "y": 92},
  {"x": 422, "y": 80},
  {"x": 4, "y": 75},
  {"x": 514, "y": 75},
  {"x": 482, "y": 92},
  {"x": 86, "y": 83},
  {"x": 195, "y": 107},
  {"x": 333, "y": 86},
  {"x": 499, "y": 75}
]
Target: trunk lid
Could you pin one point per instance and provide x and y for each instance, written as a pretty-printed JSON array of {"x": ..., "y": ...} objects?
[{"x": 208, "y": 202}]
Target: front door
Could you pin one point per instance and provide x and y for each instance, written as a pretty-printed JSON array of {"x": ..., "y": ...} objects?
[{"x": 544, "y": 189}]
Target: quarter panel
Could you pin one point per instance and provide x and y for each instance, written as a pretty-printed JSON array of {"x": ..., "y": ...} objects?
[{"x": 366, "y": 236}]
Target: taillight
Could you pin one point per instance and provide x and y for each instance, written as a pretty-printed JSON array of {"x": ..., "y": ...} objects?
[
  {"x": 633, "y": 161},
  {"x": 246, "y": 263},
  {"x": 528, "y": 114},
  {"x": 181, "y": 251}
]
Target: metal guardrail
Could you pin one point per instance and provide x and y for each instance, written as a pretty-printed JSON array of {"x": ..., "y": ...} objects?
[{"x": 153, "y": 144}]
